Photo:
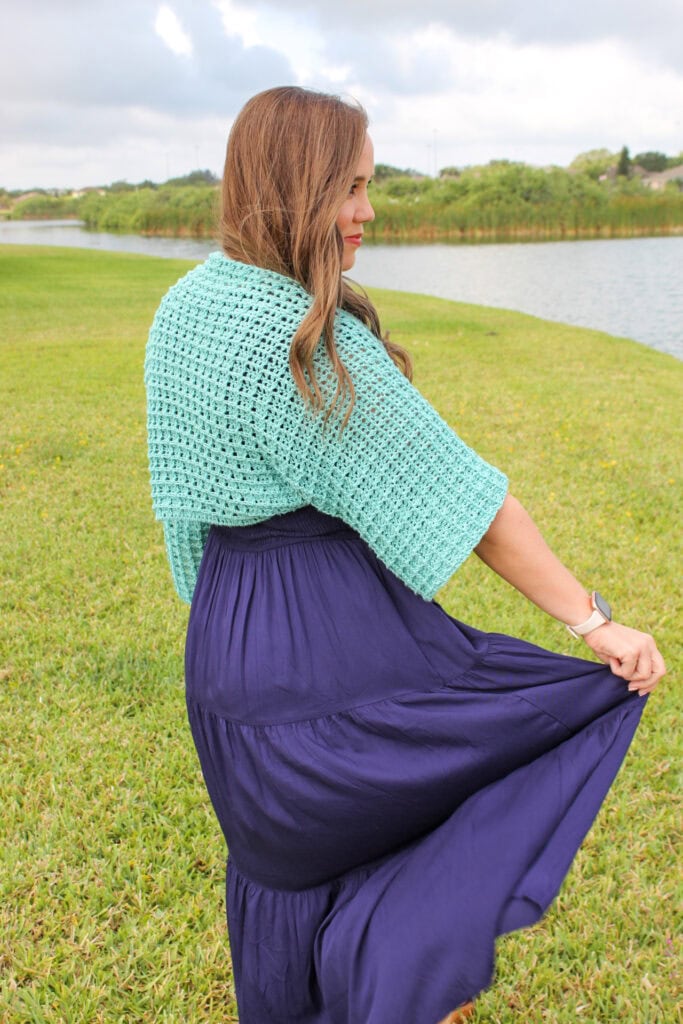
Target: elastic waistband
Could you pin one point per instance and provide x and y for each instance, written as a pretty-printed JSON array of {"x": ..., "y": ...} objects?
[{"x": 303, "y": 524}]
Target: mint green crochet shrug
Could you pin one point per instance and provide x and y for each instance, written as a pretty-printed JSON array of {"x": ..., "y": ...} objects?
[{"x": 231, "y": 441}]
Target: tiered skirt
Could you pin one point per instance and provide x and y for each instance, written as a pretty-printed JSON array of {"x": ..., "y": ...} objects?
[{"x": 396, "y": 789}]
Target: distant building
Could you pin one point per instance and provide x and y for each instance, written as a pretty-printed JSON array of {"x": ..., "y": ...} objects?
[{"x": 659, "y": 179}]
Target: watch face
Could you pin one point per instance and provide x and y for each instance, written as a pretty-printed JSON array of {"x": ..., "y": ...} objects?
[{"x": 602, "y": 606}]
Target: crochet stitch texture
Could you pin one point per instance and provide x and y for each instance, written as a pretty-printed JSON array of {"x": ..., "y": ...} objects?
[{"x": 232, "y": 443}]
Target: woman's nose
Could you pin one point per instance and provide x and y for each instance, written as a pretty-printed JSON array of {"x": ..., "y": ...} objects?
[{"x": 365, "y": 212}]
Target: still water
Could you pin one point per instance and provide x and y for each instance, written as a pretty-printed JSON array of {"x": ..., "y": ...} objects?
[{"x": 629, "y": 287}]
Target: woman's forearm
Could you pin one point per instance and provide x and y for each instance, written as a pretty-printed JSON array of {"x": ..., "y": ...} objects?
[{"x": 514, "y": 548}]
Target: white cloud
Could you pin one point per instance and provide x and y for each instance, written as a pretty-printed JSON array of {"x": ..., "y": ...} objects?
[
  {"x": 654, "y": 28},
  {"x": 532, "y": 102},
  {"x": 142, "y": 145},
  {"x": 130, "y": 88},
  {"x": 242, "y": 22},
  {"x": 168, "y": 27},
  {"x": 295, "y": 35}
]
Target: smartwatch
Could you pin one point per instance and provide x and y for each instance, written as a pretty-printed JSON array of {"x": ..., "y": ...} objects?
[{"x": 601, "y": 614}]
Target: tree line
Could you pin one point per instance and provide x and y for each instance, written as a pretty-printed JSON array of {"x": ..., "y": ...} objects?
[{"x": 599, "y": 194}]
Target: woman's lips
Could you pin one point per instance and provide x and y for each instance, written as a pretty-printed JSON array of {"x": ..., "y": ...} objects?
[{"x": 354, "y": 239}]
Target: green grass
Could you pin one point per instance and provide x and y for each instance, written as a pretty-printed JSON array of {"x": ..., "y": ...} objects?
[{"x": 112, "y": 880}]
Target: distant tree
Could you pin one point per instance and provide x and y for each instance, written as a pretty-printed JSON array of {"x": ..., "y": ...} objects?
[
  {"x": 403, "y": 185},
  {"x": 122, "y": 186},
  {"x": 651, "y": 161},
  {"x": 384, "y": 171},
  {"x": 194, "y": 178},
  {"x": 594, "y": 163},
  {"x": 624, "y": 164},
  {"x": 449, "y": 172}
]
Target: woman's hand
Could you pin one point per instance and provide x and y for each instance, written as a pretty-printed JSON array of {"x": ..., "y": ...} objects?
[
  {"x": 514, "y": 548},
  {"x": 629, "y": 653}
]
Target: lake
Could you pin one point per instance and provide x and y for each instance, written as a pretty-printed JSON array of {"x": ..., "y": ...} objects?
[{"x": 628, "y": 287}]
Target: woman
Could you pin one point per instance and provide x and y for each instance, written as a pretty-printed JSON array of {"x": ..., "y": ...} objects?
[{"x": 396, "y": 788}]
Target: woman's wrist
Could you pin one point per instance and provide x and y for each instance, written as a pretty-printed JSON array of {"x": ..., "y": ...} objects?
[{"x": 600, "y": 613}]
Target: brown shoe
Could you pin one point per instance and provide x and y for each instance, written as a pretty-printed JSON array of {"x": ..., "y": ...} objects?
[{"x": 459, "y": 1015}]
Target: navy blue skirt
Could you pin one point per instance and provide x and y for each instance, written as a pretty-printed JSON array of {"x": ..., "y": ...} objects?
[{"x": 395, "y": 788}]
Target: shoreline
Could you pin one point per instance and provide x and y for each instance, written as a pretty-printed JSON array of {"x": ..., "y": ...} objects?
[
  {"x": 425, "y": 235},
  {"x": 624, "y": 287}
]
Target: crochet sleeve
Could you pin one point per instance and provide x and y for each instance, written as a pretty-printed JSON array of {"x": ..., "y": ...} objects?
[
  {"x": 398, "y": 474},
  {"x": 185, "y": 542}
]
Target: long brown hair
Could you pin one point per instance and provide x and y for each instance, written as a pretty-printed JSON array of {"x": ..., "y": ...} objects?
[{"x": 291, "y": 158}]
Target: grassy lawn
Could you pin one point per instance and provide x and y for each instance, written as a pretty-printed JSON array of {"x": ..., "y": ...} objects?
[{"x": 112, "y": 880}]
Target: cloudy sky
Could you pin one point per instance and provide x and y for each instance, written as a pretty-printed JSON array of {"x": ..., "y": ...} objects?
[{"x": 92, "y": 91}]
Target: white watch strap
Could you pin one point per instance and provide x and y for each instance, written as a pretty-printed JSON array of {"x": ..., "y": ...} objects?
[{"x": 596, "y": 619}]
